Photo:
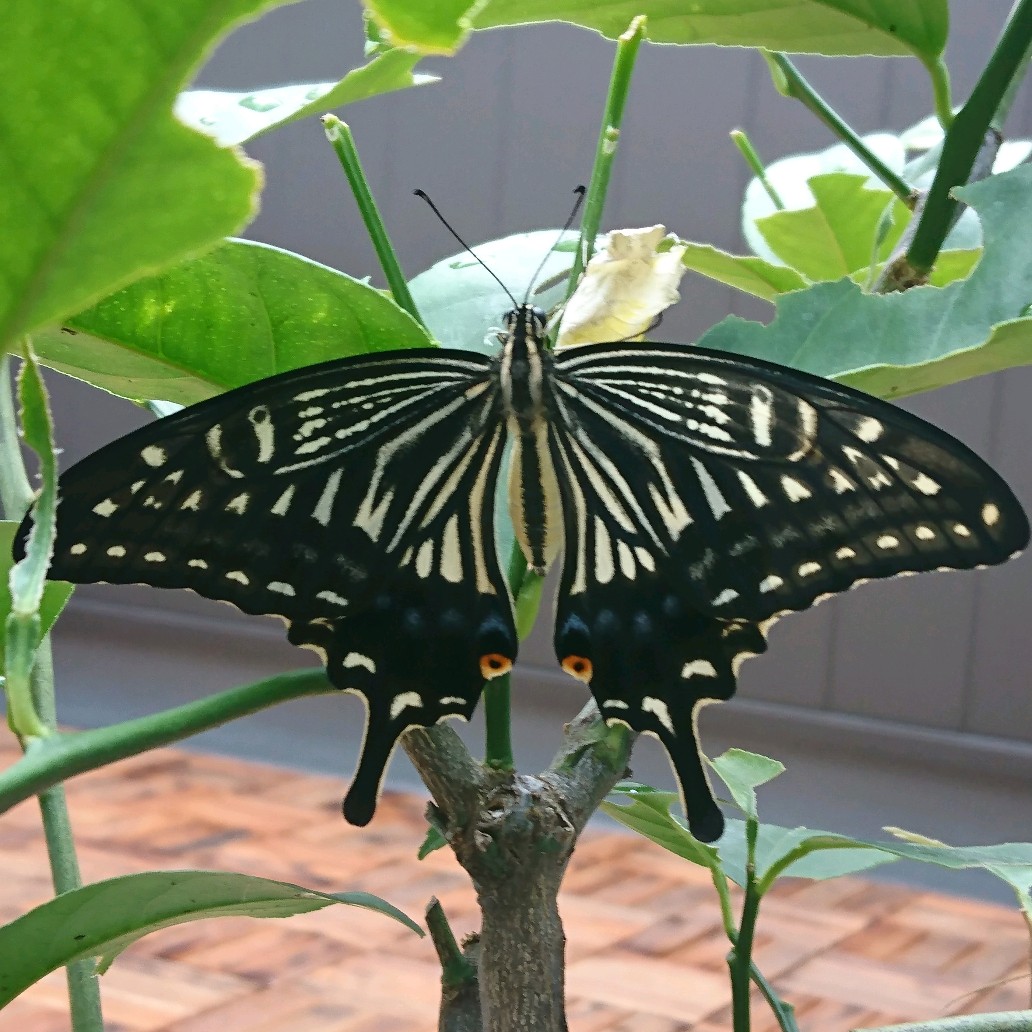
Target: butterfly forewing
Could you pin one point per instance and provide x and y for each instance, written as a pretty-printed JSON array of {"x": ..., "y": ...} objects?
[
  {"x": 704, "y": 495},
  {"x": 354, "y": 499}
]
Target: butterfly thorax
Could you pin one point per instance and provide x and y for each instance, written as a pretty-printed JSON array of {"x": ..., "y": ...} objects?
[
  {"x": 523, "y": 367},
  {"x": 524, "y": 372}
]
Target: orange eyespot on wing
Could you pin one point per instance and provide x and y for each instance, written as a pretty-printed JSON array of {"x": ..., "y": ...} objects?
[
  {"x": 494, "y": 664},
  {"x": 579, "y": 667}
]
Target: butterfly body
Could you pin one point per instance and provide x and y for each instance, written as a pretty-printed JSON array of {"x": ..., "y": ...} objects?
[{"x": 693, "y": 496}]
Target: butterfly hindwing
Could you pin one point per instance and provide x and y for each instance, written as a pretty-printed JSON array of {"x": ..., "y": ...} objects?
[
  {"x": 705, "y": 495},
  {"x": 352, "y": 499}
]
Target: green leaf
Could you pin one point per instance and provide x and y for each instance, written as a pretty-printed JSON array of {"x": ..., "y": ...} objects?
[
  {"x": 101, "y": 182},
  {"x": 101, "y": 920},
  {"x": 790, "y": 177},
  {"x": 748, "y": 273},
  {"x": 55, "y": 593},
  {"x": 899, "y": 344},
  {"x": 649, "y": 815},
  {"x": 743, "y": 772},
  {"x": 434, "y": 841},
  {"x": 852, "y": 27},
  {"x": 837, "y": 235},
  {"x": 430, "y": 26},
  {"x": 235, "y": 117},
  {"x": 460, "y": 300},
  {"x": 954, "y": 265},
  {"x": 239, "y": 313},
  {"x": 824, "y": 855}
]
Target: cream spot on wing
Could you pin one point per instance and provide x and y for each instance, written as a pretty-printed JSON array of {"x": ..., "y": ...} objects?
[
  {"x": 771, "y": 583},
  {"x": 644, "y": 558},
  {"x": 154, "y": 456},
  {"x": 154, "y": 557},
  {"x": 239, "y": 576},
  {"x": 282, "y": 587},
  {"x": 795, "y": 491},
  {"x": 869, "y": 429},
  {"x": 925, "y": 533},
  {"x": 926, "y": 485},
  {"x": 808, "y": 569},
  {"x": 659, "y": 708},
  {"x": 78, "y": 549},
  {"x": 403, "y": 701},
  {"x": 282, "y": 503},
  {"x": 839, "y": 481},
  {"x": 888, "y": 541},
  {"x": 990, "y": 514},
  {"x": 626, "y": 557},
  {"x": 239, "y": 504},
  {"x": 615, "y": 704},
  {"x": 699, "y": 668},
  {"x": 105, "y": 508},
  {"x": 116, "y": 551},
  {"x": 756, "y": 496},
  {"x": 193, "y": 501},
  {"x": 960, "y": 530},
  {"x": 332, "y": 596},
  {"x": 845, "y": 552},
  {"x": 356, "y": 659},
  {"x": 425, "y": 559},
  {"x": 199, "y": 564},
  {"x": 727, "y": 595}
]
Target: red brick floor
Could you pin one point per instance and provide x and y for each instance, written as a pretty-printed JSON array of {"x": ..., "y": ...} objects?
[{"x": 645, "y": 946}]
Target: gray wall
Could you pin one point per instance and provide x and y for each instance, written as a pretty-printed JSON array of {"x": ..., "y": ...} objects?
[{"x": 903, "y": 702}]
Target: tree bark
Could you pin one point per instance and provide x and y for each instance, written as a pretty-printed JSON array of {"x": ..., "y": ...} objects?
[{"x": 514, "y": 835}]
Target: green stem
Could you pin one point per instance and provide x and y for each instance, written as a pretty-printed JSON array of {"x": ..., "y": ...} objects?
[
  {"x": 498, "y": 724},
  {"x": 940, "y": 76},
  {"x": 752, "y": 159},
  {"x": 605, "y": 153},
  {"x": 83, "y": 984},
  {"x": 51, "y": 760},
  {"x": 792, "y": 84},
  {"x": 783, "y": 1012},
  {"x": 740, "y": 959},
  {"x": 342, "y": 141},
  {"x": 456, "y": 970},
  {"x": 967, "y": 135}
]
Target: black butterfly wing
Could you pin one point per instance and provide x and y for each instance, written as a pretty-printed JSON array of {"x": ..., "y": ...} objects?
[
  {"x": 705, "y": 495},
  {"x": 352, "y": 499}
]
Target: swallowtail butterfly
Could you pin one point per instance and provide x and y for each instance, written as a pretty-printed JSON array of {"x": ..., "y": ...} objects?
[{"x": 694, "y": 497}]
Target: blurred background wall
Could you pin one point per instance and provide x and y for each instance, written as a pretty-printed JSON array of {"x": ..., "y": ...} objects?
[{"x": 903, "y": 703}]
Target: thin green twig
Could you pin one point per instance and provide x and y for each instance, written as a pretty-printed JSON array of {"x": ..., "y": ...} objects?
[
  {"x": 605, "y": 153},
  {"x": 791, "y": 83},
  {"x": 741, "y": 140},
  {"x": 63, "y": 755},
  {"x": 343, "y": 143}
]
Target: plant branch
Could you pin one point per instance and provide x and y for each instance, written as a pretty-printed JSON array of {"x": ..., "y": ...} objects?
[
  {"x": 343, "y": 143},
  {"x": 741, "y": 140},
  {"x": 605, "y": 153},
  {"x": 591, "y": 760},
  {"x": 790, "y": 83},
  {"x": 455, "y": 780},
  {"x": 63, "y": 755},
  {"x": 739, "y": 960},
  {"x": 966, "y": 138}
]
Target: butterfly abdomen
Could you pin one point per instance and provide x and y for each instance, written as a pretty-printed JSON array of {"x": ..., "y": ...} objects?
[{"x": 524, "y": 372}]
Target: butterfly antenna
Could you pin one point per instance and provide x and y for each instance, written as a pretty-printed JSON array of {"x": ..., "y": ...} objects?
[
  {"x": 580, "y": 192},
  {"x": 444, "y": 222}
]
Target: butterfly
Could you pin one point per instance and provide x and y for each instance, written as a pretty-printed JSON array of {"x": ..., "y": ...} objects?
[{"x": 693, "y": 496}]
